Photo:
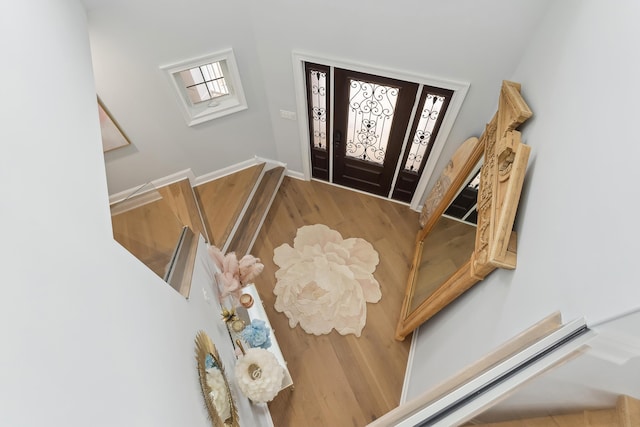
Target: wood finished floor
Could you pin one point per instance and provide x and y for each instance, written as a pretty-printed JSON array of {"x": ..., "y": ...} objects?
[
  {"x": 222, "y": 200},
  {"x": 150, "y": 232},
  {"x": 249, "y": 225},
  {"x": 340, "y": 380}
]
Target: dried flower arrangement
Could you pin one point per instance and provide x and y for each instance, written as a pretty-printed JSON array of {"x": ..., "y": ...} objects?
[{"x": 234, "y": 273}]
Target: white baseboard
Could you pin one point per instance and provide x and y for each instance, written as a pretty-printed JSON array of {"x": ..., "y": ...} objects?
[
  {"x": 410, "y": 359},
  {"x": 122, "y": 195},
  {"x": 140, "y": 199},
  {"x": 270, "y": 164},
  {"x": 154, "y": 184},
  {"x": 175, "y": 177},
  {"x": 199, "y": 180},
  {"x": 226, "y": 171},
  {"x": 295, "y": 174}
]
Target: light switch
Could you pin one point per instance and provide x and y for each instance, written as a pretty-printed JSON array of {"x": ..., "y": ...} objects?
[{"x": 289, "y": 115}]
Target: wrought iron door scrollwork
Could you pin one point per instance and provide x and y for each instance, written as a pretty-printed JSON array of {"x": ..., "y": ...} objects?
[{"x": 371, "y": 108}]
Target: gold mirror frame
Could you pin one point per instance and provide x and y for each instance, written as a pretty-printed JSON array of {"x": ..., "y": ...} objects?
[
  {"x": 204, "y": 348},
  {"x": 501, "y": 179}
]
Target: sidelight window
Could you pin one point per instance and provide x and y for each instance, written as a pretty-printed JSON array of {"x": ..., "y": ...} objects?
[
  {"x": 318, "y": 97},
  {"x": 422, "y": 136}
]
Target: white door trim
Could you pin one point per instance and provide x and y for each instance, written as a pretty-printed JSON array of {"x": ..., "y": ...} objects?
[{"x": 459, "y": 89}]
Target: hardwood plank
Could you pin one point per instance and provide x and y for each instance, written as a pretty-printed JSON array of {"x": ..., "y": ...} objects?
[
  {"x": 340, "y": 380},
  {"x": 625, "y": 414},
  {"x": 600, "y": 418},
  {"x": 445, "y": 250},
  {"x": 221, "y": 201},
  {"x": 181, "y": 198},
  {"x": 251, "y": 221},
  {"x": 150, "y": 232},
  {"x": 628, "y": 411}
]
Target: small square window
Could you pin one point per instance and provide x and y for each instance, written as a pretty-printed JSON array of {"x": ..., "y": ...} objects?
[
  {"x": 205, "y": 82},
  {"x": 207, "y": 87}
]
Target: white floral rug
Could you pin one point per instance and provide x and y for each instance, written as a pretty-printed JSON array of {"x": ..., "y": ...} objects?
[{"x": 325, "y": 282}]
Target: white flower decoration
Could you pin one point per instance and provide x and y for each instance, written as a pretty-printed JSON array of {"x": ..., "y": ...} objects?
[
  {"x": 259, "y": 375},
  {"x": 325, "y": 281}
]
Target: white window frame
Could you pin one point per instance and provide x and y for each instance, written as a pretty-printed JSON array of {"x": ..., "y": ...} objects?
[{"x": 215, "y": 108}]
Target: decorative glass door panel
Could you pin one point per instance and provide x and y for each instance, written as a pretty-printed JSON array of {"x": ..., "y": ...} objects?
[
  {"x": 371, "y": 108},
  {"x": 431, "y": 110},
  {"x": 422, "y": 136},
  {"x": 371, "y": 116},
  {"x": 318, "y": 96},
  {"x": 319, "y": 108},
  {"x": 358, "y": 124}
]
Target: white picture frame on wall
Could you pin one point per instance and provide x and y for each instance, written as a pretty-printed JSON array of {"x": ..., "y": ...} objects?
[{"x": 112, "y": 135}]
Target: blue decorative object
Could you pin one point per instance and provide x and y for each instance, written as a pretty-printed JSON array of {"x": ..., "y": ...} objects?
[
  {"x": 209, "y": 362},
  {"x": 257, "y": 334}
]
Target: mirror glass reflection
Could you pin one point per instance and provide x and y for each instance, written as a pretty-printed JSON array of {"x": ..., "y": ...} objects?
[
  {"x": 214, "y": 384},
  {"x": 450, "y": 243},
  {"x": 219, "y": 393}
]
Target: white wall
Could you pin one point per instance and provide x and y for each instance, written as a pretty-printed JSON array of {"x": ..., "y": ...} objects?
[
  {"x": 460, "y": 41},
  {"x": 129, "y": 42},
  {"x": 578, "y": 243},
  {"x": 90, "y": 337}
]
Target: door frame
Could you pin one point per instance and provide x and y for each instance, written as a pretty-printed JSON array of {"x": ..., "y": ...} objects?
[{"x": 459, "y": 89}]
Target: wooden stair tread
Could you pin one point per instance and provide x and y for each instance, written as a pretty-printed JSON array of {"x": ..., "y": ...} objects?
[
  {"x": 221, "y": 201},
  {"x": 150, "y": 225},
  {"x": 625, "y": 414},
  {"x": 628, "y": 411},
  {"x": 149, "y": 231},
  {"x": 601, "y": 418},
  {"x": 181, "y": 198},
  {"x": 249, "y": 226}
]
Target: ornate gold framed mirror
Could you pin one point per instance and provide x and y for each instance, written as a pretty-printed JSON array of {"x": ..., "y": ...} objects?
[
  {"x": 451, "y": 257},
  {"x": 213, "y": 382}
]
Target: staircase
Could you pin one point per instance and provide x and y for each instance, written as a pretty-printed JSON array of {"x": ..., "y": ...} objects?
[
  {"x": 244, "y": 235},
  {"x": 227, "y": 211},
  {"x": 625, "y": 414},
  {"x": 234, "y": 207}
]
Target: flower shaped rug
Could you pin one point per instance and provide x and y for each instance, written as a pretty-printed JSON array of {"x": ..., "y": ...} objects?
[{"x": 324, "y": 281}]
